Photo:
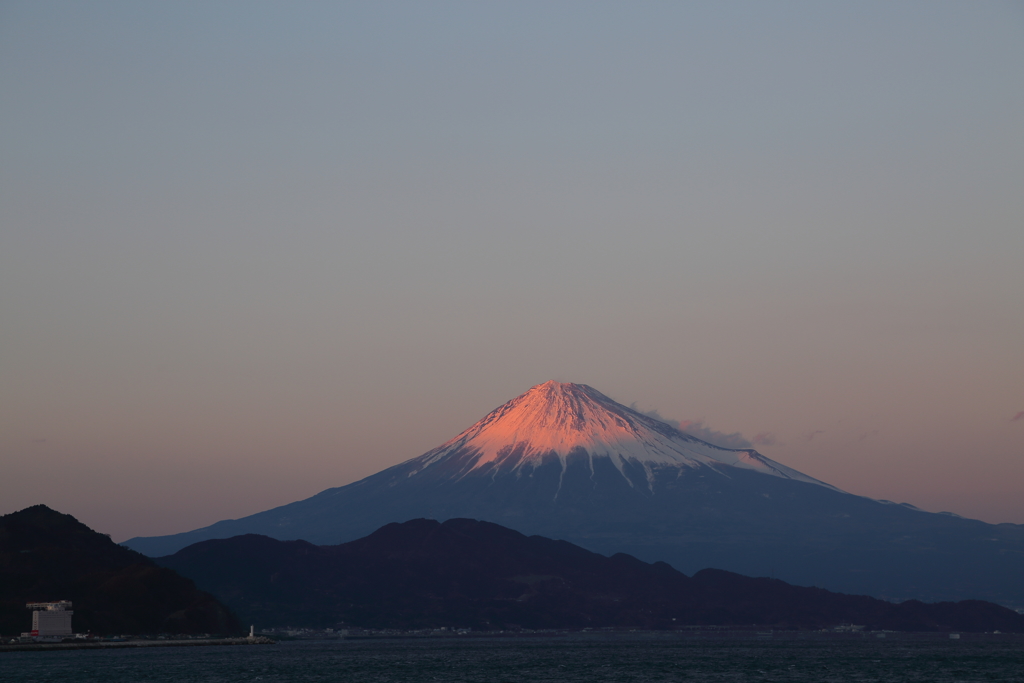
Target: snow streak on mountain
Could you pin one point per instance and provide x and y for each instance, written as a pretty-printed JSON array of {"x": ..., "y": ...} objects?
[{"x": 563, "y": 421}]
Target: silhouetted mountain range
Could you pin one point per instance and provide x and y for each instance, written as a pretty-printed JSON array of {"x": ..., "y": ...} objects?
[
  {"x": 565, "y": 461},
  {"x": 47, "y": 556},
  {"x": 467, "y": 573}
]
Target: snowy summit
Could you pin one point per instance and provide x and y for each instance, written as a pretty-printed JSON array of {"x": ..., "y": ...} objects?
[{"x": 568, "y": 421}]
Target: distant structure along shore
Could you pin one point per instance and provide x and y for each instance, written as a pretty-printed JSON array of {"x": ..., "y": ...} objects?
[{"x": 50, "y": 619}]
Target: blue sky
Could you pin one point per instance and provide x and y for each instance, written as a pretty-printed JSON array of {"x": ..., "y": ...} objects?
[{"x": 252, "y": 250}]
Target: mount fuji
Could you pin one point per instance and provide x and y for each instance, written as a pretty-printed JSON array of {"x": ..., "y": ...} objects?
[{"x": 567, "y": 462}]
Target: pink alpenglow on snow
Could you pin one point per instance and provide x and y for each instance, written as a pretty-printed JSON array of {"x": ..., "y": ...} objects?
[{"x": 563, "y": 420}]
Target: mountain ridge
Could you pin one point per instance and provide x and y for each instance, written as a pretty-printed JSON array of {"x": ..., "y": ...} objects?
[
  {"x": 467, "y": 573},
  {"x": 46, "y": 555},
  {"x": 685, "y": 502}
]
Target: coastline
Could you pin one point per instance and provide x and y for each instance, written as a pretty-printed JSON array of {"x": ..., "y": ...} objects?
[{"x": 109, "y": 645}]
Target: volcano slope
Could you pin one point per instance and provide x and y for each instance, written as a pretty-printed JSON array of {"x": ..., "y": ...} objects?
[{"x": 566, "y": 462}]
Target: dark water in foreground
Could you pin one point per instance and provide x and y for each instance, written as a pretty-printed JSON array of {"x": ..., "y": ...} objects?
[{"x": 591, "y": 658}]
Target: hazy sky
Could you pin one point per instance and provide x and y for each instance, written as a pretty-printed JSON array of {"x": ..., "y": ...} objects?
[{"x": 249, "y": 251}]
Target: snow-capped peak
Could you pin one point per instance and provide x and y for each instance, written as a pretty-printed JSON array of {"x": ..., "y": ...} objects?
[{"x": 561, "y": 420}]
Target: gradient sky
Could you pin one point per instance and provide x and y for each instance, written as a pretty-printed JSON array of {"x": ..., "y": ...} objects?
[{"x": 249, "y": 251}]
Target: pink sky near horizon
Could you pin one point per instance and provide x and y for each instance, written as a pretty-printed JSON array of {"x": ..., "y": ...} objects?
[{"x": 250, "y": 252}]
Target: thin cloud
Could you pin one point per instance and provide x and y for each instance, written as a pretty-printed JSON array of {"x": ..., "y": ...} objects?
[
  {"x": 656, "y": 415},
  {"x": 810, "y": 435},
  {"x": 764, "y": 439},
  {"x": 698, "y": 429},
  {"x": 1018, "y": 416}
]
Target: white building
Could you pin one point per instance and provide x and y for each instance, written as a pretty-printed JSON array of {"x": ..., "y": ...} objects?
[{"x": 51, "y": 618}]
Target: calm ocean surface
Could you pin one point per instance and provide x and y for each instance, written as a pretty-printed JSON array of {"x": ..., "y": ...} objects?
[{"x": 590, "y": 657}]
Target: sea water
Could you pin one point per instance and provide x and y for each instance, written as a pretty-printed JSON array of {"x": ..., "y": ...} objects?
[{"x": 579, "y": 657}]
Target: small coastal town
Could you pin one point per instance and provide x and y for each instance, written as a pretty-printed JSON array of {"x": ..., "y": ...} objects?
[{"x": 52, "y": 629}]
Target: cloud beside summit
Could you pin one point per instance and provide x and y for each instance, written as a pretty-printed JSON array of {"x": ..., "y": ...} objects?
[{"x": 698, "y": 429}]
